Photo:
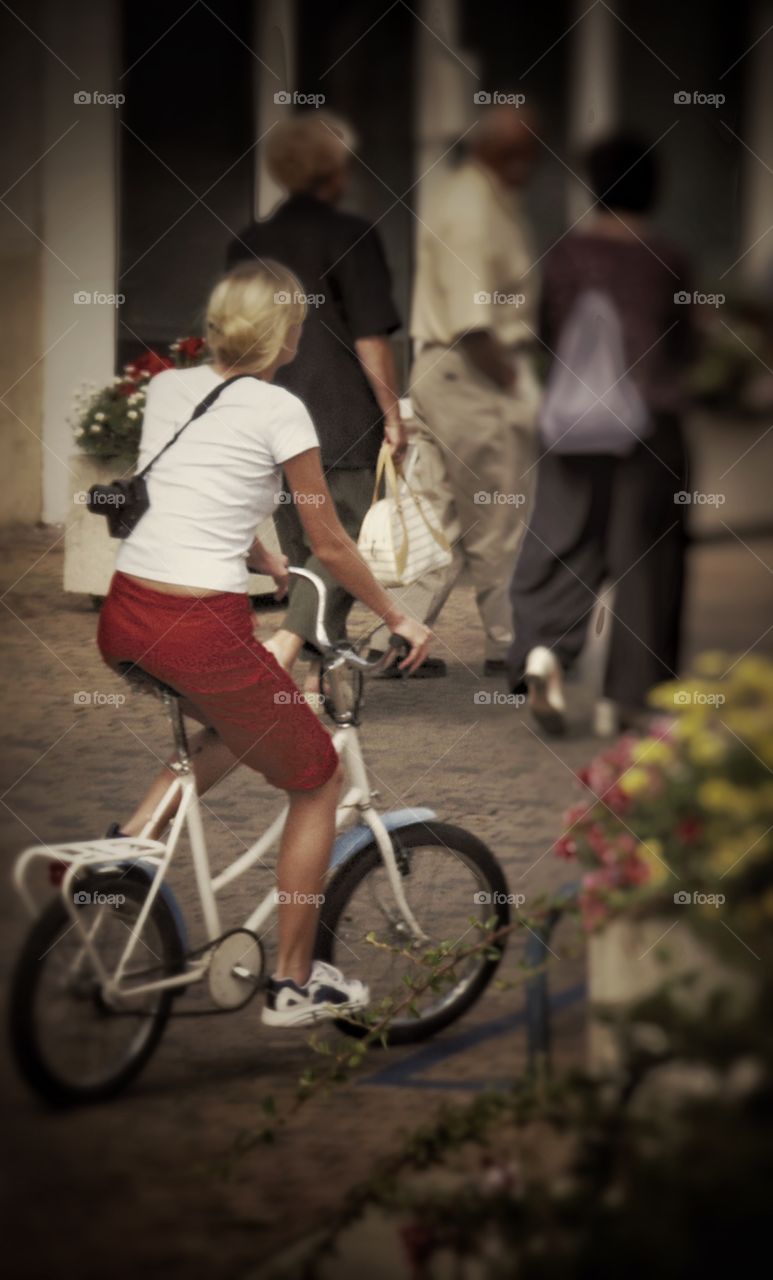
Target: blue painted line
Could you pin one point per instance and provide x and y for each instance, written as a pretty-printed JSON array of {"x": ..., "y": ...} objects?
[{"x": 407, "y": 1074}]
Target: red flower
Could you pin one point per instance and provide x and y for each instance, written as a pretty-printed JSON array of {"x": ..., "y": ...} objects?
[
  {"x": 125, "y": 388},
  {"x": 190, "y": 348},
  {"x": 690, "y": 829},
  {"x": 150, "y": 362}
]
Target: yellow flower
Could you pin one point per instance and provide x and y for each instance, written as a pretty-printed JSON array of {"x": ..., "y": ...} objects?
[
  {"x": 652, "y": 751},
  {"x": 692, "y": 721},
  {"x": 667, "y": 697},
  {"x": 634, "y": 782},
  {"x": 736, "y": 851},
  {"x": 651, "y": 854},
  {"x": 754, "y": 673},
  {"x": 707, "y": 749},
  {"x": 712, "y": 665}
]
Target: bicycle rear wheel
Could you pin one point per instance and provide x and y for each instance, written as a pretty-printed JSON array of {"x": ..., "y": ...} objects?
[
  {"x": 70, "y": 1044},
  {"x": 454, "y": 886}
]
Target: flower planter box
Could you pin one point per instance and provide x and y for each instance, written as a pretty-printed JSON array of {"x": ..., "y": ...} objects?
[
  {"x": 89, "y": 551},
  {"x": 629, "y": 961}
]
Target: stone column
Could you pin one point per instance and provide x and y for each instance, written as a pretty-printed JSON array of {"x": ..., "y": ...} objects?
[
  {"x": 756, "y": 267},
  {"x": 78, "y": 221},
  {"x": 275, "y": 72},
  {"x": 592, "y": 89}
]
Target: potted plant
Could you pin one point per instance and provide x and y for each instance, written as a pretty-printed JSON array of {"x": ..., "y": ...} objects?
[
  {"x": 675, "y": 840},
  {"x": 107, "y": 424}
]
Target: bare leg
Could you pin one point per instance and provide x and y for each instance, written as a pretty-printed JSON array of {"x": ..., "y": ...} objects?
[
  {"x": 304, "y": 855},
  {"x": 285, "y": 646},
  {"x": 211, "y": 758},
  {"x": 211, "y": 761}
]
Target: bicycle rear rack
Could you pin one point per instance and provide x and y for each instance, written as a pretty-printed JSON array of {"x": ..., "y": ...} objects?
[{"x": 78, "y": 855}]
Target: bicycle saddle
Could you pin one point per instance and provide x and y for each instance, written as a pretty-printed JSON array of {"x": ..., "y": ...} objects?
[{"x": 143, "y": 681}]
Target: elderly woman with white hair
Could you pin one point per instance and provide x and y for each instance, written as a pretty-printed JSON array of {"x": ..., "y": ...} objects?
[{"x": 344, "y": 371}]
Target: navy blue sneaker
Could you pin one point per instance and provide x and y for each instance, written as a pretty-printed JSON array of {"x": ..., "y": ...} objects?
[{"x": 327, "y": 994}]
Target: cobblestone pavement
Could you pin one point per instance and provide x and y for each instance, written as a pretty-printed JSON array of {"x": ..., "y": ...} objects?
[{"x": 165, "y": 1180}]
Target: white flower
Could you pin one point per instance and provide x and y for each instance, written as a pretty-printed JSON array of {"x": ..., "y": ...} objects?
[
  {"x": 95, "y": 429},
  {"x": 117, "y": 381},
  {"x": 99, "y": 417},
  {"x": 132, "y": 415}
]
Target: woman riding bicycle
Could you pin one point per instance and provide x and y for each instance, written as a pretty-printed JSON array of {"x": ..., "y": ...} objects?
[{"x": 178, "y": 606}]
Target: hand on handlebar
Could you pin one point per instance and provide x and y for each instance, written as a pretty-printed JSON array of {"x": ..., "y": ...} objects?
[{"x": 418, "y": 637}]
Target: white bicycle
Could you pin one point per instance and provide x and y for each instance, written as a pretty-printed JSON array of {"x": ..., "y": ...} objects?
[{"x": 98, "y": 975}]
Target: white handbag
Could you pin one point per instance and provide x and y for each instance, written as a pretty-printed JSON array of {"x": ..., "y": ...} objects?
[{"x": 399, "y": 540}]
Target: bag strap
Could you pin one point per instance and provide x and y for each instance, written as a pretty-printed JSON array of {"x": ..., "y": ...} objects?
[
  {"x": 386, "y": 471},
  {"x": 200, "y": 409},
  {"x": 385, "y": 468},
  {"x": 437, "y": 534}
]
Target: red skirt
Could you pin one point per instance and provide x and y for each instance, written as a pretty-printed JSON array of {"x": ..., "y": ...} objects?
[{"x": 204, "y": 647}]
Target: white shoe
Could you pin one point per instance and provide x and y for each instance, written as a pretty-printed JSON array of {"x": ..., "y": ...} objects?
[
  {"x": 327, "y": 994},
  {"x": 544, "y": 681},
  {"x": 606, "y": 719}
]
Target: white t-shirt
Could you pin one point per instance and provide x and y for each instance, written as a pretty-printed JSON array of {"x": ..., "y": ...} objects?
[{"x": 217, "y": 483}]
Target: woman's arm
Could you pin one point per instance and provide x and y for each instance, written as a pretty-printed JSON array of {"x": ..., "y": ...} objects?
[
  {"x": 261, "y": 560},
  {"x": 332, "y": 545}
]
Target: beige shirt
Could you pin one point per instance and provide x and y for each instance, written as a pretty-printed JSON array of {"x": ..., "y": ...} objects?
[{"x": 472, "y": 257}]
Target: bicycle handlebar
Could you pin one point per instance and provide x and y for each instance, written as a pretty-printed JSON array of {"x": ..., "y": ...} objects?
[{"x": 324, "y": 643}]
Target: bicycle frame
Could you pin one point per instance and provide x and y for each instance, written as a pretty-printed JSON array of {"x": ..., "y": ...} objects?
[{"x": 156, "y": 856}]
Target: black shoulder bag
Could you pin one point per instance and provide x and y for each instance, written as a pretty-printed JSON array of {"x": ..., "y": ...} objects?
[{"x": 123, "y": 503}]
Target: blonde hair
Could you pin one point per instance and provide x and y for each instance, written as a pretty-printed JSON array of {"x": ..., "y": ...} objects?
[
  {"x": 250, "y": 314},
  {"x": 303, "y": 150}
]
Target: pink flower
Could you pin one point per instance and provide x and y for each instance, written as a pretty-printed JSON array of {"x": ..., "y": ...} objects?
[
  {"x": 566, "y": 847},
  {"x": 616, "y": 800}
]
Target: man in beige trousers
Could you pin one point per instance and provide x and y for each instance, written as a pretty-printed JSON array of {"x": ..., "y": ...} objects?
[{"x": 473, "y": 387}]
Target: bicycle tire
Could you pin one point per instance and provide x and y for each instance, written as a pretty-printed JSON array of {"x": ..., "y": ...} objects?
[
  {"x": 351, "y": 876},
  {"x": 26, "y": 1046}
]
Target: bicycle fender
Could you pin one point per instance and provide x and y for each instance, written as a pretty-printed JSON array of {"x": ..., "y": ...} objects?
[
  {"x": 149, "y": 871},
  {"x": 351, "y": 842}
]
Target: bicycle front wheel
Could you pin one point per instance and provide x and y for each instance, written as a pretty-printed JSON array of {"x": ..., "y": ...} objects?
[
  {"x": 458, "y": 895},
  {"x": 71, "y": 1044}
]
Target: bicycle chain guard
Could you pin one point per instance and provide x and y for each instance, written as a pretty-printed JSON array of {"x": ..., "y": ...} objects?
[{"x": 235, "y": 969}]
